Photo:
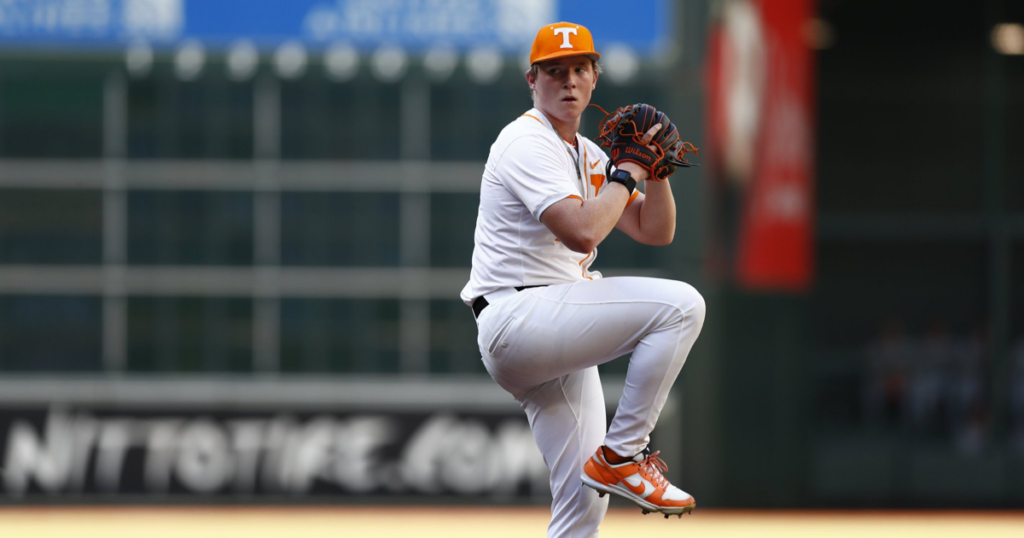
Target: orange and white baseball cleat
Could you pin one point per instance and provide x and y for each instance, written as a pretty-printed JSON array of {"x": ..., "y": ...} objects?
[{"x": 639, "y": 480}]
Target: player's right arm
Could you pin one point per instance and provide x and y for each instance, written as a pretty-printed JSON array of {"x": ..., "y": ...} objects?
[
  {"x": 581, "y": 225},
  {"x": 535, "y": 170}
]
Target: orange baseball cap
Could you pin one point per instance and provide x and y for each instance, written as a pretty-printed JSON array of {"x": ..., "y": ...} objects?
[{"x": 562, "y": 39}]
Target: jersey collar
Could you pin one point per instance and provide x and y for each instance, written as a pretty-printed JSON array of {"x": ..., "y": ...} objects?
[{"x": 536, "y": 114}]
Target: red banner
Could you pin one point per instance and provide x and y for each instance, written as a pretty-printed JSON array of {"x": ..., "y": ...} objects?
[{"x": 761, "y": 154}]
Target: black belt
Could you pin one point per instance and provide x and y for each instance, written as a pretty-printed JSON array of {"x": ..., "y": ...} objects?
[{"x": 480, "y": 303}]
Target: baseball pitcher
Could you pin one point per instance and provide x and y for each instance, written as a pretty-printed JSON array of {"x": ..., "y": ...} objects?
[{"x": 546, "y": 319}]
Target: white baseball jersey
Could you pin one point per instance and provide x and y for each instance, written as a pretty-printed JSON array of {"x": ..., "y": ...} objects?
[{"x": 530, "y": 168}]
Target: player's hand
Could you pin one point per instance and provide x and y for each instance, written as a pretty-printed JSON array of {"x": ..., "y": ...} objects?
[
  {"x": 642, "y": 134},
  {"x": 638, "y": 172},
  {"x": 649, "y": 135}
]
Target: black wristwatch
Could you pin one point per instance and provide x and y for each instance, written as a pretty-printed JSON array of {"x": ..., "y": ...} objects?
[{"x": 624, "y": 177}]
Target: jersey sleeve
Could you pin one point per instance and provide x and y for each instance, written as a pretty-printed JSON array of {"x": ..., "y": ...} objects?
[{"x": 533, "y": 170}]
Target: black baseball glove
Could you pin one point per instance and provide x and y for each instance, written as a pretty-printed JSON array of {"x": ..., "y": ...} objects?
[{"x": 623, "y": 131}]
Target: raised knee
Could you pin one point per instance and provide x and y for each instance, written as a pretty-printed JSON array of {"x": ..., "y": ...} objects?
[
  {"x": 699, "y": 306},
  {"x": 690, "y": 302}
]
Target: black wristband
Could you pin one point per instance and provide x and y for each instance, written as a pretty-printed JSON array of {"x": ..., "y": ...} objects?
[{"x": 625, "y": 178}]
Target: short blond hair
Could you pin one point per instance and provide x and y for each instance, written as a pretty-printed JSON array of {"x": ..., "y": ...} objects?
[{"x": 535, "y": 68}]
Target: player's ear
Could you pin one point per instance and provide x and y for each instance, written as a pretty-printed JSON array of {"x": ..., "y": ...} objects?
[{"x": 530, "y": 79}]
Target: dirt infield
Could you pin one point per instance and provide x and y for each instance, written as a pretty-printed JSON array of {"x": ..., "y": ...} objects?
[{"x": 431, "y": 522}]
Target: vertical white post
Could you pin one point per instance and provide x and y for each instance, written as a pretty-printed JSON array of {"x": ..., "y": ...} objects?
[
  {"x": 266, "y": 333},
  {"x": 414, "y": 208},
  {"x": 266, "y": 119},
  {"x": 115, "y": 223}
]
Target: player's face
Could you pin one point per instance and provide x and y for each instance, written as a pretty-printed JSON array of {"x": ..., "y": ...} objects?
[{"x": 563, "y": 87}]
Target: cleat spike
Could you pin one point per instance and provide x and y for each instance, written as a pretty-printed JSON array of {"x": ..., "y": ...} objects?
[
  {"x": 602, "y": 494},
  {"x": 666, "y": 516},
  {"x": 680, "y": 516},
  {"x": 646, "y": 512}
]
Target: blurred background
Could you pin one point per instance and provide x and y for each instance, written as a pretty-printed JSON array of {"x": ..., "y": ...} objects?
[{"x": 233, "y": 235}]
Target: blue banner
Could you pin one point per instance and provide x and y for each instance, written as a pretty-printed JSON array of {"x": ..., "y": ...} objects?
[{"x": 509, "y": 25}]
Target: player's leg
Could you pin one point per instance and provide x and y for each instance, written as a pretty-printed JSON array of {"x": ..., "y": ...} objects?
[
  {"x": 654, "y": 366},
  {"x": 543, "y": 334},
  {"x": 567, "y": 416}
]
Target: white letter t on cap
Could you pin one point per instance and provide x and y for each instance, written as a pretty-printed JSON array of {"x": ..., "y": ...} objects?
[{"x": 565, "y": 36}]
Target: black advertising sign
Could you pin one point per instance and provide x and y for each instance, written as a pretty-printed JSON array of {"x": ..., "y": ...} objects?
[{"x": 84, "y": 450}]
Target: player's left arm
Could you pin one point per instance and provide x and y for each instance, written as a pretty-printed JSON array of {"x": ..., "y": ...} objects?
[{"x": 651, "y": 218}]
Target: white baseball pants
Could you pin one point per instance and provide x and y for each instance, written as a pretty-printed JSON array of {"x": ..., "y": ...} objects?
[{"x": 543, "y": 346}]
